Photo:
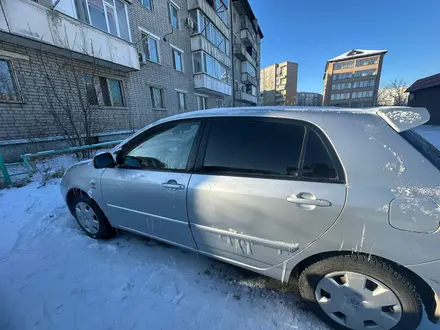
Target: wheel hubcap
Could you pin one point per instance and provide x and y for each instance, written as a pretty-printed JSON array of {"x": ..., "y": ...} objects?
[
  {"x": 358, "y": 301},
  {"x": 87, "y": 218}
]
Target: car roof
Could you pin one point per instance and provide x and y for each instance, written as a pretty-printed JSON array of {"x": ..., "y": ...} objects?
[
  {"x": 270, "y": 111},
  {"x": 400, "y": 118}
]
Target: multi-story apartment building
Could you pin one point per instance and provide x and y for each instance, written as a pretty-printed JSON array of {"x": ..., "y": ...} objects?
[
  {"x": 352, "y": 79},
  {"x": 278, "y": 85},
  {"x": 309, "y": 99},
  {"x": 246, "y": 39},
  {"x": 126, "y": 63},
  {"x": 64, "y": 73}
]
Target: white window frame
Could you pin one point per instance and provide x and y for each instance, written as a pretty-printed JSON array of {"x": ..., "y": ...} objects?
[
  {"x": 177, "y": 7},
  {"x": 162, "y": 94},
  {"x": 182, "y": 61},
  {"x": 205, "y": 101},
  {"x": 105, "y": 5},
  {"x": 14, "y": 78},
  {"x": 153, "y": 36},
  {"x": 185, "y": 99}
]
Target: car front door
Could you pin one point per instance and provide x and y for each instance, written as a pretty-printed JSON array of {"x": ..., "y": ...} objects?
[
  {"x": 146, "y": 191},
  {"x": 263, "y": 189}
]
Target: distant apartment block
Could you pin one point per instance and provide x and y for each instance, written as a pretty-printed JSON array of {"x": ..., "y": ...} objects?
[
  {"x": 309, "y": 99},
  {"x": 278, "y": 85},
  {"x": 352, "y": 79}
]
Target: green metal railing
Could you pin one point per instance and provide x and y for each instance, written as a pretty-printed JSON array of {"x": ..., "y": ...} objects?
[{"x": 30, "y": 167}]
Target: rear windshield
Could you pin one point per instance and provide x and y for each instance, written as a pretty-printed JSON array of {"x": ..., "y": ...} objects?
[{"x": 430, "y": 152}]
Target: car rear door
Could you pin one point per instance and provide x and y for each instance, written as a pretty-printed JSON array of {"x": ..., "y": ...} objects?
[
  {"x": 151, "y": 198},
  {"x": 263, "y": 189}
]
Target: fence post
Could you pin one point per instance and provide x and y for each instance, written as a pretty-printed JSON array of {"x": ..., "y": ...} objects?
[
  {"x": 4, "y": 171},
  {"x": 31, "y": 169}
]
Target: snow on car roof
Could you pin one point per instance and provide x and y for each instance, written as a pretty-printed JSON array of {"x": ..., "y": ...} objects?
[{"x": 399, "y": 118}]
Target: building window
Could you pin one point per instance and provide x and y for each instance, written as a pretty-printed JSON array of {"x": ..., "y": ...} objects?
[
  {"x": 342, "y": 76},
  {"x": 343, "y": 65},
  {"x": 157, "y": 98},
  {"x": 221, "y": 7},
  {"x": 367, "y": 61},
  {"x": 358, "y": 95},
  {"x": 108, "y": 15},
  {"x": 204, "y": 63},
  {"x": 147, "y": 4},
  {"x": 205, "y": 27},
  {"x": 178, "y": 60},
  {"x": 363, "y": 83},
  {"x": 174, "y": 15},
  {"x": 115, "y": 92},
  {"x": 246, "y": 67},
  {"x": 365, "y": 73},
  {"x": 341, "y": 86},
  {"x": 251, "y": 89},
  {"x": 181, "y": 98},
  {"x": 201, "y": 102},
  {"x": 340, "y": 96},
  {"x": 104, "y": 91},
  {"x": 219, "y": 103},
  {"x": 8, "y": 84},
  {"x": 151, "y": 48},
  {"x": 92, "y": 97}
]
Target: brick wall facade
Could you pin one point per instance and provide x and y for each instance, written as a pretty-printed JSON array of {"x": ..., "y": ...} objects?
[{"x": 30, "y": 120}]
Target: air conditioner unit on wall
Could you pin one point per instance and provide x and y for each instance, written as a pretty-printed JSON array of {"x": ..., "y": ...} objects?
[
  {"x": 189, "y": 22},
  {"x": 142, "y": 58}
]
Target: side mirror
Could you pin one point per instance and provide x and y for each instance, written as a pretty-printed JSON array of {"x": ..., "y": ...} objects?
[{"x": 103, "y": 160}]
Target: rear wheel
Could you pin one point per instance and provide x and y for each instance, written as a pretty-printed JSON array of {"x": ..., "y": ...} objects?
[
  {"x": 355, "y": 292},
  {"x": 90, "y": 217}
]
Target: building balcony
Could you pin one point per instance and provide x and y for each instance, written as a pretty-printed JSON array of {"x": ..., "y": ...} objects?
[
  {"x": 246, "y": 78},
  {"x": 210, "y": 13},
  {"x": 206, "y": 83},
  {"x": 245, "y": 97},
  {"x": 33, "y": 25},
  {"x": 199, "y": 42},
  {"x": 248, "y": 38},
  {"x": 241, "y": 53}
]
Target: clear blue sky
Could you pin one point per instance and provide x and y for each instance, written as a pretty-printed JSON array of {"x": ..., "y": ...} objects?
[{"x": 309, "y": 32}]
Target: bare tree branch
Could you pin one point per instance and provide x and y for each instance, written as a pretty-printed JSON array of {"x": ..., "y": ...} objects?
[{"x": 393, "y": 93}]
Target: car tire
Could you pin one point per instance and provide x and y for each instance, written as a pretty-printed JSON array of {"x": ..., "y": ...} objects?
[
  {"x": 90, "y": 217},
  {"x": 354, "y": 305}
]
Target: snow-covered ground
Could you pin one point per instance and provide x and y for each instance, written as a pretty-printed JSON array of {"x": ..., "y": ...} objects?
[{"x": 52, "y": 276}]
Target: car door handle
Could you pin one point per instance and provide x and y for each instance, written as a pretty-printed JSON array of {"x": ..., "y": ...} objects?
[
  {"x": 308, "y": 199},
  {"x": 172, "y": 184}
]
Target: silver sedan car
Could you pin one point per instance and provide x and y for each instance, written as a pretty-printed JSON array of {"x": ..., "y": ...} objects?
[{"x": 342, "y": 202}]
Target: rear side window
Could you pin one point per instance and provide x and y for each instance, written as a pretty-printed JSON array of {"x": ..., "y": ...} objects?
[
  {"x": 260, "y": 147},
  {"x": 431, "y": 153},
  {"x": 318, "y": 163}
]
